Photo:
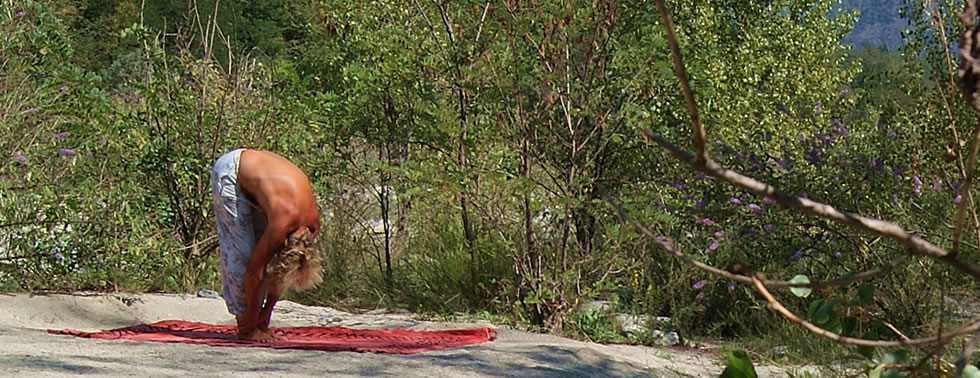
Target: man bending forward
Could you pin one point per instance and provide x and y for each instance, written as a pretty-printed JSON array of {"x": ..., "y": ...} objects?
[{"x": 261, "y": 201}]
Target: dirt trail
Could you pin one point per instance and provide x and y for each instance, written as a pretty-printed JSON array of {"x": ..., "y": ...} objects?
[{"x": 28, "y": 350}]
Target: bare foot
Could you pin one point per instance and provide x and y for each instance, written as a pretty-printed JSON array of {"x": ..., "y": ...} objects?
[
  {"x": 265, "y": 328},
  {"x": 260, "y": 335}
]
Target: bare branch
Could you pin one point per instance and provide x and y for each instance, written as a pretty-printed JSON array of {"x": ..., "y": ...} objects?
[
  {"x": 969, "y": 72},
  {"x": 965, "y": 189},
  {"x": 445, "y": 20},
  {"x": 698, "y": 135},
  {"x": 950, "y": 105},
  {"x": 483, "y": 18},
  {"x": 879, "y": 227},
  {"x": 776, "y": 306}
]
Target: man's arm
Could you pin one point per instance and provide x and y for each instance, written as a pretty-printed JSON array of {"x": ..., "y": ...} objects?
[{"x": 270, "y": 242}]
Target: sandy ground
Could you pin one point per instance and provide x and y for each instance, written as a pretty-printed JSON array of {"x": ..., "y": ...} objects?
[{"x": 26, "y": 349}]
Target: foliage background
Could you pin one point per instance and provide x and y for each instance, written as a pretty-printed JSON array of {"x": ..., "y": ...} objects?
[{"x": 456, "y": 148}]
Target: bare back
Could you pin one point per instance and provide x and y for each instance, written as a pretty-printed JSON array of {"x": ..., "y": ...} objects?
[{"x": 282, "y": 190}]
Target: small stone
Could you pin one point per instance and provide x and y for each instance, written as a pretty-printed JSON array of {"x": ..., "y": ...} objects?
[
  {"x": 600, "y": 306},
  {"x": 633, "y": 325},
  {"x": 669, "y": 339}
]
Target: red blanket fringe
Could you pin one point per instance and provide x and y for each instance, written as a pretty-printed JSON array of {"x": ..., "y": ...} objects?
[{"x": 333, "y": 339}]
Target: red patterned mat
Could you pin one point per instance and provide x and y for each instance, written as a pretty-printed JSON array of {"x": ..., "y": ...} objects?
[{"x": 333, "y": 339}]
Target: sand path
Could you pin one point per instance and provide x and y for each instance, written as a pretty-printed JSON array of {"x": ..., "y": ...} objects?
[{"x": 26, "y": 349}]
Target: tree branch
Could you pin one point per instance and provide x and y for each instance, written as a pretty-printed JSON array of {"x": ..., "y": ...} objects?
[
  {"x": 698, "y": 134},
  {"x": 776, "y": 306},
  {"x": 879, "y": 227},
  {"x": 666, "y": 245}
]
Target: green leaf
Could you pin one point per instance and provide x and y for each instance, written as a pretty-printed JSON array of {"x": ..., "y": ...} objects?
[
  {"x": 739, "y": 365},
  {"x": 814, "y": 306},
  {"x": 825, "y": 312},
  {"x": 897, "y": 357},
  {"x": 868, "y": 352},
  {"x": 849, "y": 325},
  {"x": 866, "y": 292},
  {"x": 970, "y": 371},
  {"x": 876, "y": 373},
  {"x": 799, "y": 291}
]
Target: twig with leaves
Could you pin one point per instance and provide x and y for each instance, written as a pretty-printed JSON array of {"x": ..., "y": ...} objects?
[{"x": 914, "y": 245}]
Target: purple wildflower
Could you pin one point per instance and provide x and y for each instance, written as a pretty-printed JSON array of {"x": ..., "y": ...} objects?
[
  {"x": 837, "y": 254},
  {"x": 917, "y": 191},
  {"x": 916, "y": 180},
  {"x": 801, "y": 139},
  {"x": 100, "y": 141},
  {"x": 63, "y": 89},
  {"x": 782, "y": 165},
  {"x": 796, "y": 256},
  {"x": 892, "y": 134},
  {"x": 936, "y": 185},
  {"x": 679, "y": 185},
  {"x": 840, "y": 128},
  {"x": 705, "y": 221},
  {"x": 719, "y": 234},
  {"x": 62, "y": 135},
  {"x": 895, "y": 198},
  {"x": 822, "y": 138},
  {"x": 842, "y": 94},
  {"x": 21, "y": 13},
  {"x": 728, "y": 149},
  {"x": 959, "y": 197},
  {"x": 700, "y": 295},
  {"x": 713, "y": 246},
  {"x": 769, "y": 227},
  {"x": 664, "y": 242},
  {"x": 735, "y": 201},
  {"x": 31, "y": 110},
  {"x": 731, "y": 287},
  {"x": 176, "y": 236},
  {"x": 17, "y": 156},
  {"x": 58, "y": 256},
  {"x": 700, "y": 204},
  {"x": 768, "y": 200},
  {"x": 755, "y": 207},
  {"x": 877, "y": 164},
  {"x": 700, "y": 284},
  {"x": 957, "y": 185},
  {"x": 784, "y": 110},
  {"x": 66, "y": 151}
]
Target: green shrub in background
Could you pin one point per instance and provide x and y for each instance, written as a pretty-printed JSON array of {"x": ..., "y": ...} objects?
[
  {"x": 456, "y": 167},
  {"x": 110, "y": 190}
]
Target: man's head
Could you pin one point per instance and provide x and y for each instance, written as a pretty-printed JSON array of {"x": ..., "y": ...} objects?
[{"x": 296, "y": 265}]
